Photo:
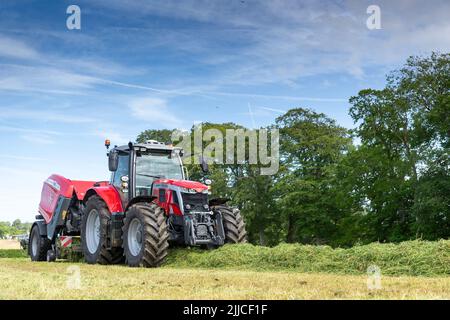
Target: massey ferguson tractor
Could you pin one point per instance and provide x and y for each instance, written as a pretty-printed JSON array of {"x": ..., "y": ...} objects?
[{"x": 147, "y": 205}]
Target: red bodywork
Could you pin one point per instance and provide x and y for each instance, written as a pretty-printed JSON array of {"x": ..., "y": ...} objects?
[
  {"x": 197, "y": 186},
  {"x": 170, "y": 186},
  {"x": 57, "y": 186},
  {"x": 110, "y": 195}
]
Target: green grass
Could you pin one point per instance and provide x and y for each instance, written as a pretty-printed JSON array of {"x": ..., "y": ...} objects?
[
  {"x": 13, "y": 253},
  {"x": 411, "y": 258},
  {"x": 22, "y": 279},
  {"x": 409, "y": 270}
]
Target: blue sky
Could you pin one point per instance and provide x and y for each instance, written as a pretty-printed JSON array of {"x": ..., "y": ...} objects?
[{"x": 136, "y": 65}]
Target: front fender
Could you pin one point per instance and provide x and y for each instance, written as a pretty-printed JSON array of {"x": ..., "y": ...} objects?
[
  {"x": 218, "y": 201},
  {"x": 109, "y": 195}
]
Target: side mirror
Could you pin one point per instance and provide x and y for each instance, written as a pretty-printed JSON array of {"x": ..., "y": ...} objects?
[
  {"x": 113, "y": 161},
  {"x": 204, "y": 165}
]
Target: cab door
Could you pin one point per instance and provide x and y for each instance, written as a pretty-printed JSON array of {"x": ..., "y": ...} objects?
[{"x": 120, "y": 179}]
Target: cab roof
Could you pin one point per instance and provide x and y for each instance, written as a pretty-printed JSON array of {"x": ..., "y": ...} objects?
[{"x": 149, "y": 145}]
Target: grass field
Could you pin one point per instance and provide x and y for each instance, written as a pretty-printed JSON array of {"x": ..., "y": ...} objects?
[
  {"x": 409, "y": 270},
  {"x": 22, "y": 279}
]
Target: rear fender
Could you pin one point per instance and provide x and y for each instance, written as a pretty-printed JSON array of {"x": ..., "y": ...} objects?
[
  {"x": 109, "y": 195},
  {"x": 42, "y": 227}
]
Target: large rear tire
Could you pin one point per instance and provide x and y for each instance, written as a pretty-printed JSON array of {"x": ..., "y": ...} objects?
[
  {"x": 233, "y": 224},
  {"x": 145, "y": 236},
  {"x": 94, "y": 234},
  {"x": 38, "y": 245}
]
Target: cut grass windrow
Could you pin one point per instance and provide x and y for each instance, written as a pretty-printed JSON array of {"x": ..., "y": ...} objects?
[{"x": 410, "y": 258}]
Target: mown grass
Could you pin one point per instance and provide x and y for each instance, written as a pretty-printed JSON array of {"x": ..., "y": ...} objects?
[
  {"x": 13, "y": 253},
  {"x": 411, "y": 258},
  {"x": 409, "y": 270},
  {"x": 22, "y": 279}
]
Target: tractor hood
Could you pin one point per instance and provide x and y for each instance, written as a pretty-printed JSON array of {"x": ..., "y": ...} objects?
[{"x": 197, "y": 186}]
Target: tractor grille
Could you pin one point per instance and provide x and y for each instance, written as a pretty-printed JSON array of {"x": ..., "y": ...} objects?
[
  {"x": 196, "y": 201},
  {"x": 202, "y": 231}
]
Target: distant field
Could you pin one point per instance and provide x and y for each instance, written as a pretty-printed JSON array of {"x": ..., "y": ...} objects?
[
  {"x": 22, "y": 279},
  {"x": 9, "y": 244}
]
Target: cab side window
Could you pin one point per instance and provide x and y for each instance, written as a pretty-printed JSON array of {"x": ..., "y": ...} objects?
[{"x": 122, "y": 170}]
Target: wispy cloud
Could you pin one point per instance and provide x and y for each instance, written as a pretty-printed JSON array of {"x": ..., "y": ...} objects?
[
  {"x": 114, "y": 136},
  {"x": 154, "y": 110},
  {"x": 285, "y": 41},
  {"x": 282, "y": 97},
  {"x": 18, "y": 157},
  {"x": 136, "y": 86},
  {"x": 12, "y": 48},
  {"x": 44, "y": 115},
  {"x": 39, "y": 138},
  {"x": 273, "y": 110},
  {"x": 262, "y": 112},
  {"x": 13, "y": 129},
  {"x": 21, "y": 172},
  {"x": 25, "y": 78}
]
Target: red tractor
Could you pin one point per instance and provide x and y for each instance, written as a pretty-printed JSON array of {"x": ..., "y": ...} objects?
[{"x": 147, "y": 205}]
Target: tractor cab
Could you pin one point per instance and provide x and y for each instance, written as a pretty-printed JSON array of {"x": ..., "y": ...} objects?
[{"x": 136, "y": 167}]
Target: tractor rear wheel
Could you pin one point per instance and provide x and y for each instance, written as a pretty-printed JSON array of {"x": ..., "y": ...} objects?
[
  {"x": 94, "y": 234},
  {"x": 38, "y": 246},
  {"x": 145, "y": 236},
  {"x": 233, "y": 224}
]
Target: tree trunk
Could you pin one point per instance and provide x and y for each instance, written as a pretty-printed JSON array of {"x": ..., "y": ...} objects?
[
  {"x": 262, "y": 237},
  {"x": 290, "y": 230}
]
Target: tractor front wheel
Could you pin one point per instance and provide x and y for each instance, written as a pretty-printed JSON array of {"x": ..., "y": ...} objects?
[
  {"x": 233, "y": 224},
  {"x": 94, "y": 234},
  {"x": 145, "y": 236}
]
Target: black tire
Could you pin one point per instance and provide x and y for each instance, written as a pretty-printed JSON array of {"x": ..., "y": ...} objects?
[
  {"x": 51, "y": 256},
  {"x": 154, "y": 236},
  {"x": 233, "y": 224},
  {"x": 38, "y": 245},
  {"x": 102, "y": 254}
]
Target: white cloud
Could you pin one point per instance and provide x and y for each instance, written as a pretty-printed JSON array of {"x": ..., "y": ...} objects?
[
  {"x": 44, "y": 115},
  {"x": 115, "y": 137},
  {"x": 12, "y": 48},
  {"x": 154, "y": 110},
  {"x": 38, "y": 138},
  {"x": 281, "y": 97},
  {"x": 27, "y": 130},
  {"x": 284, "y": 41},
  {"x": 43, "y": 79},
  {"x": 274, "y": 110},
  {"x": 17, "y": 157}
]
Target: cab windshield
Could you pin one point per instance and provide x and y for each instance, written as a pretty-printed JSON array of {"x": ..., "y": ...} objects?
[{"x": 153, "y": 166}]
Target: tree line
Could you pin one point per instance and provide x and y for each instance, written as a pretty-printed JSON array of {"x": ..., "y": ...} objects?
[
  {"x": 13, "y": 229},
  {"x": 386, "y": 180}
]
